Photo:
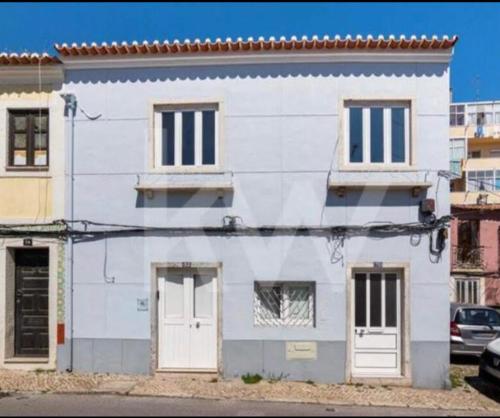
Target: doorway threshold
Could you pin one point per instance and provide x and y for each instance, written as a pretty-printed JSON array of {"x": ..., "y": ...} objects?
[
  {"x": 394, "y": 380},
  {"x": 188, "y": 371}
]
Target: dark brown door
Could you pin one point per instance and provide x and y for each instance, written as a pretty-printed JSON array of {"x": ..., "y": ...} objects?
[{"x": 32, "y": 303}]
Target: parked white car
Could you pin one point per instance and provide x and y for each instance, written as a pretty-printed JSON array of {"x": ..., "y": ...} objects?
[{"x": 489, "y": 365}]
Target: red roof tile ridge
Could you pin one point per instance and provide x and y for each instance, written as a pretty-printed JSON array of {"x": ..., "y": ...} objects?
[{"x": 260, "y": 44}]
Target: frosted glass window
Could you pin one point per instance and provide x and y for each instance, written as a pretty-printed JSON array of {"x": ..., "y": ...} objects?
[
  {"x": 174, "y": 297},
  {"x": 203, "y": 296},
  {"x": 20, "y": 123},
  {"x": 40, "y": 123},
  {"x": 20, "y": 141},
  {"x": 40, "y": 158}
]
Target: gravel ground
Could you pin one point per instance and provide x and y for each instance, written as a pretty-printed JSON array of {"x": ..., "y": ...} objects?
[
  {"x": 463, "y": 397},
  {"x": 469, "y": 392}
]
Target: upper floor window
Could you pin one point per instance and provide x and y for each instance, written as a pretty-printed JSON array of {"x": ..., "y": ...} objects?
[
  {"x": 186, "y": 136},
  {"x": 28, "y": 138},
  {"x": 457, "y": 115},
  {"x": 484, "y": 180},
  {"x": 378, "y": 132},
  {"x": 480, "y": 118},
  {"x": 457, "y": 149}
]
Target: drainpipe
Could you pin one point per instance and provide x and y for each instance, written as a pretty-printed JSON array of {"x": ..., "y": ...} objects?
[{"x": 70, "y": 110}]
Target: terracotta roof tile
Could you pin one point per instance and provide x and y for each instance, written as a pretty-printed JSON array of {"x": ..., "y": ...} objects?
[
  {"x": 13, "y": 59},
  {"x": 261, "y": 44}
]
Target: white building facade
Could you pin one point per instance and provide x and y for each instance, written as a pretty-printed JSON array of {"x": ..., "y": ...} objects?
[{"x": 255, "y": 207}]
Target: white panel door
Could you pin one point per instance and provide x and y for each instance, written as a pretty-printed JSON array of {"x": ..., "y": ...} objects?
[
  {"x": 376, "y": 339},
  {"x": 187, "y": 323},
  {"x": 203, "y": 325}
]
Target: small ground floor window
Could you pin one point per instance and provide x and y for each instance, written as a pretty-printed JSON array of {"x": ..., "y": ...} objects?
[{"x": 285, "y": 304}]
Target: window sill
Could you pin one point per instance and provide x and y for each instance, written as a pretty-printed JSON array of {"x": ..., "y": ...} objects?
[
  {"x": 341, "y": 186},
  {"x": 26, "y": 360},
  {"x": 18, "y": 172},
  {"x": 178, "y": 182},
  {"x": 26, "y": 168},
  {"x": 187, "y": 170},
  {"x": 378, "y": 168}
]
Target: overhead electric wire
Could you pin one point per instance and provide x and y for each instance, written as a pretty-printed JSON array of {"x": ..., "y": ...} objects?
[{"x": 82, "y": 228}]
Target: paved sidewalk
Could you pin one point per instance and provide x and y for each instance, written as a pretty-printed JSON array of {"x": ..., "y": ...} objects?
[
  {"x": 117, "y": 405},
  {"x": 463, "y": 397}
]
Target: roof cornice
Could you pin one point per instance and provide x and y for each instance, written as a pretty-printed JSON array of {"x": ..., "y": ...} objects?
[
  {"x": 441, "y": 56},
  {"x": 31, "y": 74}
]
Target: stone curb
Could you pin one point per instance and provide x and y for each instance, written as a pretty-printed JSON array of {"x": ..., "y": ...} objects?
[{"x": 225, "y": 398}]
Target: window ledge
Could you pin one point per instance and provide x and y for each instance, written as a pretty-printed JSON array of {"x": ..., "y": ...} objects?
[
  {"x": 30, "y": 169},
  {"x": 386, "y": 168},
  {"x": 416, "y": 182},
  {"x": 341, "y": 186},
  {"x": 219, "y": 182},
  {"x": 26, "y": 360}
]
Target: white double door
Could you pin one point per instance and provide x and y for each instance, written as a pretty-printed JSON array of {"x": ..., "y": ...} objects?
[
  {"x": 187, "y": 311},
  {"x": 376, "y": 313}
]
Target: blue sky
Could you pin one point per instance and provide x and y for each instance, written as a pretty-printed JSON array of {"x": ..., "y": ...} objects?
[{"x": 475, "y": 66}]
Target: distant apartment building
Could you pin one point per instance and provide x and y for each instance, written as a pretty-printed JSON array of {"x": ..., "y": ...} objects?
[{"x": 475, "y": 199}]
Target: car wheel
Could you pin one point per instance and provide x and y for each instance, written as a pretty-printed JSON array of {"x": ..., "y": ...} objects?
[{"x": 485, "y": 377}]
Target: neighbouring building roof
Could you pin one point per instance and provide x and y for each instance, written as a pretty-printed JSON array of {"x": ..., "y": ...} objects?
[
  {"x": 472, "y": 207},
  {"x": 369, "y": 43},
  {"x": 13, "y": 59}
]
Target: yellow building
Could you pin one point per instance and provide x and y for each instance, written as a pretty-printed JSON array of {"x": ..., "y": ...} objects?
[
  {"x": 32, "y": 183},
  {"x": 475, "y": 152}
]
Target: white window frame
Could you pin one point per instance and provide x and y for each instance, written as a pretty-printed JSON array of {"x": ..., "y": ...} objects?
[
  {"x": 462, "y": 289},
  {"x": 473, "y": 185},
  {"x": 387, "y": 105},
  {"x": 178, "y": 109},
  {"x": 283, "y": 320},
  {"x": 454, "y": 112}
]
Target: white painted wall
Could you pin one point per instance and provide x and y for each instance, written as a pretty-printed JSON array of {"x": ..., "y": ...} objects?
[{"x": 281, "y": 130}]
